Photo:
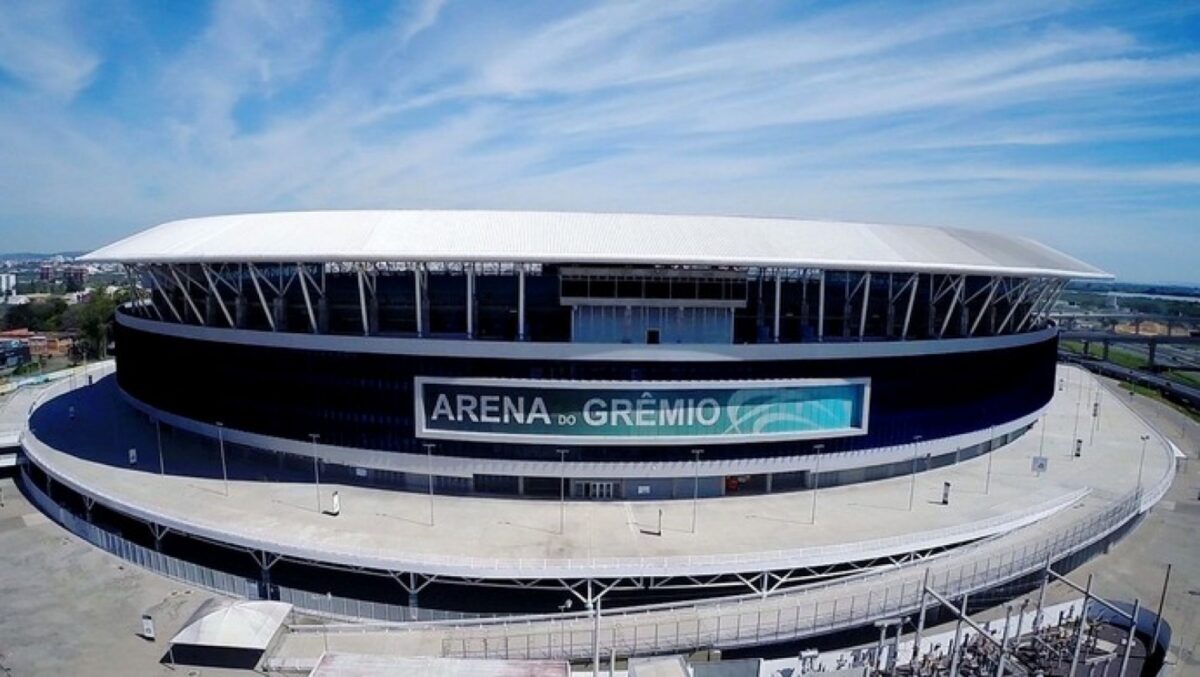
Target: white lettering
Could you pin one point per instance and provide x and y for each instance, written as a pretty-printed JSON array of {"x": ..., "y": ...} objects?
[
  {"x": 489, "y": 408},
  {"x": 670, "y": 413},
  {"x": 466, "y": 408},
  {"x": 593, "y": 412},
  {"x": 514, "y": 411},
  {"x": 621, "y": 410},
  {"x": 713, "y": 408},
  {"x": 442, "y": 408},
  {"x": 538, "y": 411},
  {"x": 645, "y": 410}
]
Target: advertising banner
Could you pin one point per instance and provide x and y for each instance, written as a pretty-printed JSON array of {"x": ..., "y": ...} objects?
[{"x": 639, "y": 413}]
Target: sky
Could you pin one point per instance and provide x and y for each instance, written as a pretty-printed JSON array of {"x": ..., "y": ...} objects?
[{"x": 1074, "y": 123}]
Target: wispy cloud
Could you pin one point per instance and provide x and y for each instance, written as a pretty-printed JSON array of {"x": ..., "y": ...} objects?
[
  {"x": 41, "y": 46},
  {"x": 1034, "y": 117}
]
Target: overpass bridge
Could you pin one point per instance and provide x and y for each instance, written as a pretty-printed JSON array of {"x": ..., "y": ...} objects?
[
  {"x": 1107, "y": 338},
  {"x": 1070, "y": 321}
]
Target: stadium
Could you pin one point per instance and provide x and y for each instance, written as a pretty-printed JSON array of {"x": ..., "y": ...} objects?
[{"x": 634, "y": 408}]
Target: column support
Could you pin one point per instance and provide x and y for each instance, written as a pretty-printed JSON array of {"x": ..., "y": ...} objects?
[
  {"x": 866, "y": 296},
  {"x": 470, "y": 300},
  {"x": 778, "y": 294},
  {"x": 912, "y": 300},
  {"x": 821, "y": 309},
  {"x": 418, "y": 298},
  {"x": 362, "y": 302},
  {"x": 521, "y": 302}
]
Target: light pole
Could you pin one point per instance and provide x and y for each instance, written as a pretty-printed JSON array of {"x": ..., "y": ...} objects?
[
  {"x": 816, "y": 481},
  {"x": 429, "y": 457},
  {"x": 562, "y": 489},
  {"x": 221, "y": 445},
  {"x": 695, "y": 484},
  {"x": 316, "y": 468},
  {"x": 162, "y": 469},
  {"x": 912, "y": 485},
  {"x": 987, "y": 484},
  {"x": 1142, "y": 462},
  {"x": 1042, "y": 444}
]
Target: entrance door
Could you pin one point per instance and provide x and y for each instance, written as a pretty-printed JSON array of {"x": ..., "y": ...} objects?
[{"x": 596, "y": 491}]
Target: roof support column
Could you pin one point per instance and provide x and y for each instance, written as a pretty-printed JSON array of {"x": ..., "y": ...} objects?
[
  {"x": 915, "y": 281},
  {"x": 163, "y": 293},
  {"x": 362, "y": 302},
  {"x": 821, "y": 309},
  {"x": 866, "y": 296},
  {"x": 470, "y": 300},
  {"x": 521, "y": 302},
  {"x": 186, "y": 296},
  {"x": 212, "y": 287},
  {"x": 1013, "y": 305},
  {"x": 312, "y": 318},
  {"x": 262, "y": 300},
  {"x": 987, "y": 303},
  {"x": 1037, "y": 302},
  {"x": 957, "y": 295},
  {"x": 418, "y": 294},
  {"x": 778, "y": 294}
]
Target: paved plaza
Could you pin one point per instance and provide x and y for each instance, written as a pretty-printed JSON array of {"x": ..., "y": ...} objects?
[{"x": 390, "y": 527}]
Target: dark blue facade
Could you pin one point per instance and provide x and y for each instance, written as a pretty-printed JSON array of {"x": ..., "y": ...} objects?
[{"x": 365, "y": 400}]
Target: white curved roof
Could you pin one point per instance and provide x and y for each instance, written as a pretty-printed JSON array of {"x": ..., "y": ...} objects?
[{"x": 568, "y": 237}]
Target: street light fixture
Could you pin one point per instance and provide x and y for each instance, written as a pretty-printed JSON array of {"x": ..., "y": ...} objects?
[
  {"x": 817, "y": 448},
  {"x": 162, "y": 468},
  {"x": 221, "y": 444},
  {"x": 912, "y": 485},
  {"x": 316, "y": 468},
  {"x": 1142, "y": 462},
  {"x": 562, "y": 489},
  {"x": 695, "y": 484},
  {"x": 429, "y": 473}
]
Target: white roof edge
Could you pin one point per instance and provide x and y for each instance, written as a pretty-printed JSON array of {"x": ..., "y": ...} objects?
[{"x": 589, "y": 238}]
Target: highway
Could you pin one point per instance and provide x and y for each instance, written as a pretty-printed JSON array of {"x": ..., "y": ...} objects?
[{"x": 1172, "y": 390}]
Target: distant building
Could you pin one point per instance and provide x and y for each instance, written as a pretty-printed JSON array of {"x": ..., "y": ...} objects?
[
  {"x": 8, "y": 285},
  {"x": 39, "y": 345},
  {"x": 76, "y": 274},
  {"x": 13, "y": 353}
]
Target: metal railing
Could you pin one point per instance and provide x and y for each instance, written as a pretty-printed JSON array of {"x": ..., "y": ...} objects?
[
  {"x": 801, "y": 612},
  {"x": 166, "y": 565},
  {"x": 783, "y": 617}
]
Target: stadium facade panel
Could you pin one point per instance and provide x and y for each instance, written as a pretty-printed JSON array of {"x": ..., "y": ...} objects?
[{"x": 604, "y": 356}]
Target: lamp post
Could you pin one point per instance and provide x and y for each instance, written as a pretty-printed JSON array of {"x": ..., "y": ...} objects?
[
  {"x": 221, "y": 445},
  {"x": 695, "y": 484},
  {"x": 912, "y": 485},
  {"x": 817, "y": 448},
  {"x": 562, "y": 489},
  {"x": 316, "y": 468},
  {"x": 987, "y": 484},
  {"x": 162, "y": 468},
  {"x": 429, "y": 473},
  {"x": 1142, "y": 462}
]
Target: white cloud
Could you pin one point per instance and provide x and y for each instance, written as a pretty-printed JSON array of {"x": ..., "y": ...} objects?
[
  {"x": 40, "y": 45},
  {"x": 987, "y": 115}
]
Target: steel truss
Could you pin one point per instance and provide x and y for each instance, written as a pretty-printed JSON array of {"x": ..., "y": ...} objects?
[{"x": 227, "y": 294}]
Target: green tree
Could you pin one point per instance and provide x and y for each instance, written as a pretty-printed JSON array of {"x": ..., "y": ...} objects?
[{"x": 40, "y": 315}]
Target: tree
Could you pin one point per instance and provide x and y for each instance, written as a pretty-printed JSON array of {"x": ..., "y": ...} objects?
[{"x": 40, "y": 315}]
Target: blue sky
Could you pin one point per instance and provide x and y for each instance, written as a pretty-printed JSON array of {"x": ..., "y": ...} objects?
[{"x": 1074, "y": 123}]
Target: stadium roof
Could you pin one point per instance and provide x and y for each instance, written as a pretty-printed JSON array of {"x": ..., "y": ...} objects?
[{"x": 567, "y": 237}]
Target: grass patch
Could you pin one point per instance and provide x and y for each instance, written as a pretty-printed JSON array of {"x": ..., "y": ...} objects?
[{"x": 1153, "y": 394}]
